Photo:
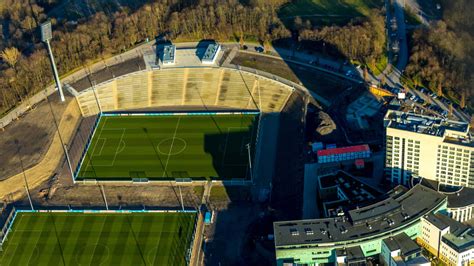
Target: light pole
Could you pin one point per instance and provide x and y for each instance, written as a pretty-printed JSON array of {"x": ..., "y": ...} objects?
[
  {"x": 105, "y": 198},
  {"x": 61, "y": 140},
  {"x": 46, "y": 35},
  {"x": 24, "y": 175},
  {"x": 181, "y": 196},
  {"x": 95, "y": 95},
  {"x": 250, "y": 161}
]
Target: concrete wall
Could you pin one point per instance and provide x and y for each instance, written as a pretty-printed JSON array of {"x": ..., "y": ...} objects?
[{"x": 188, "y": 87}]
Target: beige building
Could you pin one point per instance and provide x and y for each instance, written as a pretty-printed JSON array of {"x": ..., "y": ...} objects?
[
  {"x": 428, "y": 147},
  {"x": 449, "y": 240}
]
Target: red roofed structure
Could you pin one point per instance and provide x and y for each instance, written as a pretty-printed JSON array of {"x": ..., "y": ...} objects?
[{"x": 343, "y": 153}]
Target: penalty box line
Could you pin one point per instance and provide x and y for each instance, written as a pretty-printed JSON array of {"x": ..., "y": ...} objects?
[{"x": 117, "y": 148}]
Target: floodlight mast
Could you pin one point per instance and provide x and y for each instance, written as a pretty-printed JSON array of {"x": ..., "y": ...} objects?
[{"x": 46, "y": 35}]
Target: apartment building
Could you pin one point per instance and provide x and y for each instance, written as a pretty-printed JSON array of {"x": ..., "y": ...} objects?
[
  {"x": 428, "y": 147},
  {"x": 449, "y": 240}
]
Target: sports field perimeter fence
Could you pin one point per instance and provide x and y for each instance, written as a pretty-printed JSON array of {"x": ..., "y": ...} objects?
[
  {"x": 91, "y": 133},
  {"x": 12, "y": 213}
]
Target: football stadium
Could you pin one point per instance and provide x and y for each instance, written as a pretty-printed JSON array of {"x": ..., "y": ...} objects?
[
  {"x": 160, "y": 146},
  {"x": 174, "y": 124},
  {"x": 98, "y": 238}
]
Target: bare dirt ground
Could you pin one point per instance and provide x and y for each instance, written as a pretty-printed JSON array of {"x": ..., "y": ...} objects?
[
  {"x": 118, "y": 196},
  {"x": 13, "y": 187},
  {"x": 30, "y": 137}
]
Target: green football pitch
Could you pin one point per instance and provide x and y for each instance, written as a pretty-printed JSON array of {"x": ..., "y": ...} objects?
[
  {"x": 98, "y": 239},
  {"x": 170, "y": 146}
]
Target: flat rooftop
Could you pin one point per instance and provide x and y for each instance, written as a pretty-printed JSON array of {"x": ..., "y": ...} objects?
[
  {"x": 424, "y": 124},
  {"x": 188, "y": 57},
  {"x": 375, "y": 219},
  {"x": 356, "y": 192},
  {"x": 352, "y": 254},
  {"x": 442, "y": 221},
  {"x": 462, "y": 242},
  {"x": 168, "y": 53},
  {"x": 403, "y": 243},
  {"x": 211, "y": 52},
  {"x": 462, "y": 198}
]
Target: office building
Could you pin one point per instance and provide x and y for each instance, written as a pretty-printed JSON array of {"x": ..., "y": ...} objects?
[
  {"x": 358, "y": 233},
  {"x": 428, "y": 147}
]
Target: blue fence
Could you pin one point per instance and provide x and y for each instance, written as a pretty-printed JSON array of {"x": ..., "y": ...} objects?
[{"x": 170, "y": 113}]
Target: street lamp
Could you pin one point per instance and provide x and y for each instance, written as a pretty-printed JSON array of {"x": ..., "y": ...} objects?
[{"x": 46, "y": 35}]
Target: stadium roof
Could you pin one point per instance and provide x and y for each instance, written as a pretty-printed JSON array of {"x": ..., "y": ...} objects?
[
  {"x": 342, "y": 150},
  {"x": 362, "y": 223}
]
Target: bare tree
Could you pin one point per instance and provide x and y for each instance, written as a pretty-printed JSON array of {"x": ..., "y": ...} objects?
[{"x": 11, "y": 56}]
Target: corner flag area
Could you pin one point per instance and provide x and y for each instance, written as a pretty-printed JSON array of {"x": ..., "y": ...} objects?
[
  {"x": 55, "y": 238},
  {"x": 169, "y": 146}
]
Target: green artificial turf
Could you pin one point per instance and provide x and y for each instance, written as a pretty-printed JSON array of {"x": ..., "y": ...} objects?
[
  {"x": 170, "y": 146},
  {"x": 99, "y": 239}
]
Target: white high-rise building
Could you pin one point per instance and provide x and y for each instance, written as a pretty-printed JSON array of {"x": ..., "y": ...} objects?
[{"x": 428, "y": 147}]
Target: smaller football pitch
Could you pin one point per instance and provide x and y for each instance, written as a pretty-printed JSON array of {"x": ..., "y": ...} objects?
[
  {"x": 99, "y": 239},
  {"x": 170, "y": 146}
]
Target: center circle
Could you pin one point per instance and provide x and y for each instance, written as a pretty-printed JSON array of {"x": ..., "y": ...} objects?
[
  {"x": 171, "y": 146},
  {"x": 83, "y": 257}
]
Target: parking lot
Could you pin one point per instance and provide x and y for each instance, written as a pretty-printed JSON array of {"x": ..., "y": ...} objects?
[{"x": 428, "y": 102}]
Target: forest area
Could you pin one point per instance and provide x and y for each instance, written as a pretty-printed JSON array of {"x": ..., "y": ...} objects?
[
  {"x": 84, "y": 33},
  {"x": 442, "y": 55}
]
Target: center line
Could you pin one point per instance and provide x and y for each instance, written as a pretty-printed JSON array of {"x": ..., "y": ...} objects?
[{"x": 171, "y": 148}]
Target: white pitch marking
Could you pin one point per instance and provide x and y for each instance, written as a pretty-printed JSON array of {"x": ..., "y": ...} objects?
[
  {"x": 171, "y": 148},
  {"x": 225, "y": 149}
]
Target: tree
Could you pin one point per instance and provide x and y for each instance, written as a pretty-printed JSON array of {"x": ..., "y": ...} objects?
[
  {"x": 241, "y": 40},
  {"x": 366, "y": 74},
  {"x": 266, "y": 45},
  {"x": 462, "y": 103},
  {"x": 11, "y": 56}
]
